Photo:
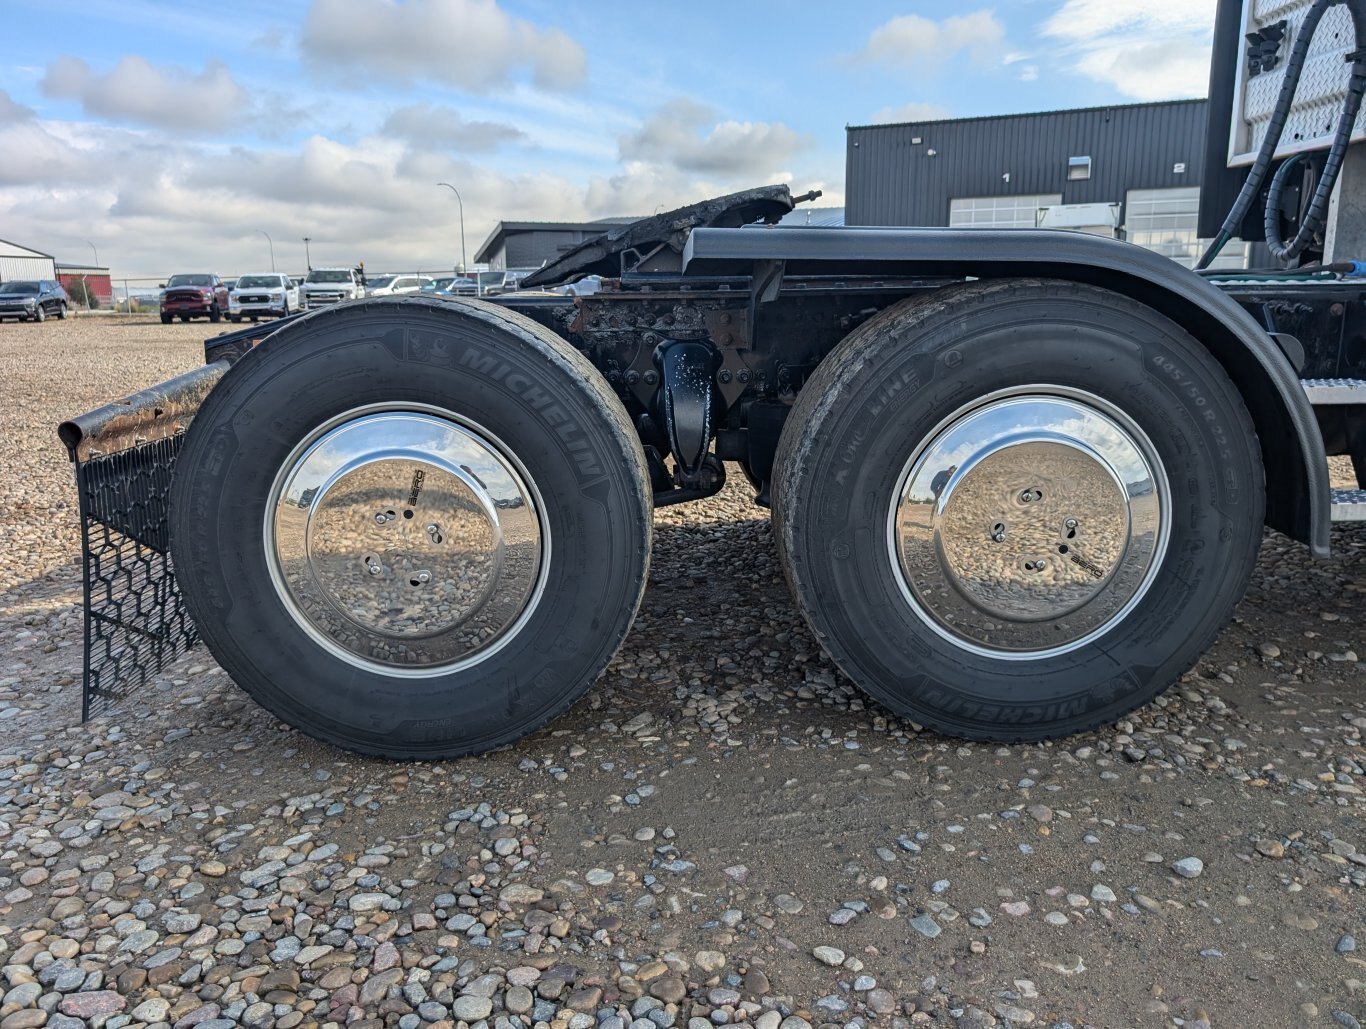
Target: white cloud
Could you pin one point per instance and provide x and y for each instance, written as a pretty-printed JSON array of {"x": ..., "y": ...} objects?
[
  {"x": 921, "y": 44},
  {"x": 35, "y": 155},
  {"x": 1152, "y": 51},
  {"x": 11, "y": 110},
  {"x": 1029, "y": 73},
  {"x": 910, "y": 112},
  {"x": 135, "y": 90},
  {"x": 684, "y": 134},
  {"x": 472, "y": 44},
  {"x": 432, "y": 126}
]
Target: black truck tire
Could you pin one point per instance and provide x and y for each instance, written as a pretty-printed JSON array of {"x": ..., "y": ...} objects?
[
  {"x": 1019, "y": 509},
  {"x": 166, "y": 319},
  {"x": 531, "y": 516}
]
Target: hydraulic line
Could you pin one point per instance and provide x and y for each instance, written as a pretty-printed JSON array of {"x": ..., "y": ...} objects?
[{"x": 1318, "y": 207}]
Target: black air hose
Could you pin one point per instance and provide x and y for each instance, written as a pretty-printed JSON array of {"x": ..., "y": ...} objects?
[{"x": 1318, "y": 207}]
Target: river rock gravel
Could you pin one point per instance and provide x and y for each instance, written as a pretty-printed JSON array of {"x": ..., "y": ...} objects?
[{"x": 722, "y": 832}]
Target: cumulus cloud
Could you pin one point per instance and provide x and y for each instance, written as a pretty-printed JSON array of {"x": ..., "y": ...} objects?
[
  {"x": 910, "y": 112},
  {"x": 135, "y": 90},
  {"x": 11, "y": 110},
  {"x": 472, "y": 44},
  {"x": 432, "y": 126},
  {"x": 684, "y": 134},
  {"x": 1151, "y": 51},
  {"x": 921, "y": 44},
  {"x": 33, "y": 154}
]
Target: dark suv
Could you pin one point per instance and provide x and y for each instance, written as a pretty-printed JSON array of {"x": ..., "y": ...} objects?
[
  {"x": 32, "y": 299},
  {"x": 189, "y": 296}
]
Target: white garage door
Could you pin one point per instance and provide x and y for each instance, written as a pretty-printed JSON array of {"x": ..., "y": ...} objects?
[
  {"x": 1165, "y": 220},
  {"x": 1019, "y": 212}
]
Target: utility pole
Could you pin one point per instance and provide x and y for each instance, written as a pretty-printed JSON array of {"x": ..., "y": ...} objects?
[
  {"x": 463, "y": 265},
  {"x": 307, "y": 259},
  {"x": 272, "y": 247}
]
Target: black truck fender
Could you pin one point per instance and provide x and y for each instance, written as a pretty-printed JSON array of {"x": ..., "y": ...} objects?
[{"x": 1298, "y": 499}]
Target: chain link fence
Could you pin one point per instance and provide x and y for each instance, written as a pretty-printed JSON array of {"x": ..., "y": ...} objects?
[{"x": 141, "y": 296}]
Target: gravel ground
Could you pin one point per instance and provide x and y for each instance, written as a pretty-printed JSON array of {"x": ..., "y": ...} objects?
[{"x": 722, "y": 832}]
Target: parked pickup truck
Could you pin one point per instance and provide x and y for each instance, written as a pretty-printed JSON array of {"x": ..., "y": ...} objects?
[
  {"x": 266, "y": 293},
  {"x": 193, "y": 296},
  {"x": 325, "y": 286}
]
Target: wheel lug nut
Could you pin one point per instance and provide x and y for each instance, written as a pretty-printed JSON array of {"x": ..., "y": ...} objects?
[
  {"x": 424, "y": 576},
  {"x": 1070, "y": 523}
]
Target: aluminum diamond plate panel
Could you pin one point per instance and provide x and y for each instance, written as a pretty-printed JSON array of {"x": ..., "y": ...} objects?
[
  {"x": 1349, "y": 505},
  {"x": 1335, "y": 391},
  {"x": 1322, "y": 86}
]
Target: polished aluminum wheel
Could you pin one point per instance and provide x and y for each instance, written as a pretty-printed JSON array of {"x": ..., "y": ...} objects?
[
  {"x": 406, "y": 540},
  {"x": 1030, "y": 522}
]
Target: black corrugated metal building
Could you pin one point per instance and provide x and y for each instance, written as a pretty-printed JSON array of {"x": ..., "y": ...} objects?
[
  {"x": 1131, "y": 170},
  {"x": 532, "y": 244}
]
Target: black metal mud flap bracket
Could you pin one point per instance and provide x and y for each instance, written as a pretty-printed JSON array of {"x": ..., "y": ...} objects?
[{"x": 125, "y": 454}]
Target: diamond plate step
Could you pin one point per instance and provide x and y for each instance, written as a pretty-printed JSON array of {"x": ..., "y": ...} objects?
[
  {"x": 1335, "y": 391},
  {"x": 1349, "y": 505}
]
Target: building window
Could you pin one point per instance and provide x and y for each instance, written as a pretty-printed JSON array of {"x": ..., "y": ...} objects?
[
  {"x": 1165, "y": 220},
  {"x": 1016, "y": 212},
  {"x": 1078, "y": 168}
]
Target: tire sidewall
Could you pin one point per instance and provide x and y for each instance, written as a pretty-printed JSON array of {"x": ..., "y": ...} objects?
[
  {"x": 1141, "y": 364},
  {"x": 595, "y": 512}
]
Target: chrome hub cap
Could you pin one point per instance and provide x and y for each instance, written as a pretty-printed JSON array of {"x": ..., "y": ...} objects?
[
  {"x": 406, "y": 540},
  {"x": 1030, "y": 522}
]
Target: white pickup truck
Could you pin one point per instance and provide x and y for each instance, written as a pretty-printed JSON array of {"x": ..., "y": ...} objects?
[
  {"x": 265, "y": 294},
  {"x": 331, "y": 285}
]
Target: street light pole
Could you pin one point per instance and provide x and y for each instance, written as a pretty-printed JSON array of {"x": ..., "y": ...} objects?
[
  {"x": 307, "y": 259},
  {"x": 272, "y": 247},
  {"x": 85, "y": 279},
  {"x": 462, "y": 223}
]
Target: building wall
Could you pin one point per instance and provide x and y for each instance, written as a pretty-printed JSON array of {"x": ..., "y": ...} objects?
[
  {"x": 533, "y": 249},
  {"x": 99, "y": 284},
  {"x": 892, "y": 180},
  {"x": 25, "y": 267}
]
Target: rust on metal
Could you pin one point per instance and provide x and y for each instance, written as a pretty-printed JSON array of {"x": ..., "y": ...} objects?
[{"x": 156, "y": 413}]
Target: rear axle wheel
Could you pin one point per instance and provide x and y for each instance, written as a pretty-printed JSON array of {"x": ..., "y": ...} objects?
[{"x": 1018, "y": 509}]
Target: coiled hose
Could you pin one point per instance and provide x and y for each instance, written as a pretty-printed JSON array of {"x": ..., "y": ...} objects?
[{"x": 1318, "y": 206}]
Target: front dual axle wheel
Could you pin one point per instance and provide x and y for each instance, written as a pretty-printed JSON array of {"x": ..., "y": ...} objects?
[{"x": 412, "y": 528}]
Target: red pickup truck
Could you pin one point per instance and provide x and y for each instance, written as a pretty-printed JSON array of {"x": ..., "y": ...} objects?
[{"x": 189, "y": 296}]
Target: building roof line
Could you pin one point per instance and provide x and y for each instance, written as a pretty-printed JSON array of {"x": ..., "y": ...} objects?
[
  {"x": 1028, "y": 114},
  {"x": 35, "y": 253}
]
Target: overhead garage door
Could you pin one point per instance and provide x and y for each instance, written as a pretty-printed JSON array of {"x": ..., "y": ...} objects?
[
  {"x": 1018, "y": 212},
  {"x": 1164, "y": 220}
]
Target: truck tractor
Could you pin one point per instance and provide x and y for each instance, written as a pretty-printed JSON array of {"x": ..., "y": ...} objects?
[{"x": 1018, "y": 478}]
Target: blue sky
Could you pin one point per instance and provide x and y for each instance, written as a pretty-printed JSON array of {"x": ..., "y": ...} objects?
[{"x": 169, "y": 134}]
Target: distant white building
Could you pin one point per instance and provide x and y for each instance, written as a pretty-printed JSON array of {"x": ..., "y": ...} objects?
[{"x": 18, "y": 262}]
